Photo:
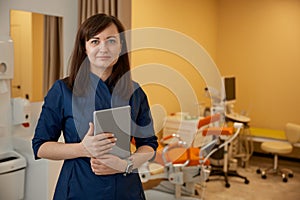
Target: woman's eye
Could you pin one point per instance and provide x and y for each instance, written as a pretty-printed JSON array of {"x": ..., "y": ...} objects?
[
  {"x": 95, "y": 42},
  {"x": 111, "y": 41}
]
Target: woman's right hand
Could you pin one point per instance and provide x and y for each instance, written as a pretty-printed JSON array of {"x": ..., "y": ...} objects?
[{"x": 97, "y": 145}]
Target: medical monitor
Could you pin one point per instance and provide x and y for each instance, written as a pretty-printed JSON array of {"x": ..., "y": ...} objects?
[{"x": 229, "y": 86}]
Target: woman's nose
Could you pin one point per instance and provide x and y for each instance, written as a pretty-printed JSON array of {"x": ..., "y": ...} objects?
[{"x": 103, "y": 46}]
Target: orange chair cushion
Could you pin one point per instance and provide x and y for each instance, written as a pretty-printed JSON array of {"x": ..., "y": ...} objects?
[
  {"x": 209, "y": 119},
  {"x": 179, "y": 156},
  {"x": 218, "y": 131}
]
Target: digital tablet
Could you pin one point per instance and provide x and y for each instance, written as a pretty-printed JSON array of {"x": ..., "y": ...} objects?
[{"x": 116, "y": 121}]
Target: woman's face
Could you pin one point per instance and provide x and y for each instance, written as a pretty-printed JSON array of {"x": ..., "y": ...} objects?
[{"x": 104, "y": 49}]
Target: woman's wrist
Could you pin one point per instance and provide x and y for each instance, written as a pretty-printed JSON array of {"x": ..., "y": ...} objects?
[
  {"x": 83, "y": 152},
  {"x": 123, "y": 165}
]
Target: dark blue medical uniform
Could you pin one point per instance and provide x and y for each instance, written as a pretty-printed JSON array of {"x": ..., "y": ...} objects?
[{"x": 62, "y": 111}]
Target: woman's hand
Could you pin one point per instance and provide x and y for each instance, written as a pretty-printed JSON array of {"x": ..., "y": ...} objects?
[
  {"x": 108, "y": 164},
  {"x": 98, "y": 145}
]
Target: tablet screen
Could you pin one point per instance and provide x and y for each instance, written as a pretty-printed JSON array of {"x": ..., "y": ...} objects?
[{"x": 116, "y": 121}]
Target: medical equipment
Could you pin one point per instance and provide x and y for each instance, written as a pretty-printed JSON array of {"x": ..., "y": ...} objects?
[
  {"x": 184, "y": 168},
  {"x": 230, "y": 98},
  {"x": 242, "y": 147},
  {"x": 229, "y": 84}
]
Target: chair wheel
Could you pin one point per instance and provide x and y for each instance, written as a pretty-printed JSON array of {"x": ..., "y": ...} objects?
[
  {"x": 227, "y": 185},
  {"x": 285, "y": 179},
  {"x": 263, "y": 175},
  {"x": 291, "y": 175},
  {"x": 247, "y": 181},
  {"x": 258, "y": 171}
]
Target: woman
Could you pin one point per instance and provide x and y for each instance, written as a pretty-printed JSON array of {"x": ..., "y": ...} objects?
[{"x": 99, "y": 79}]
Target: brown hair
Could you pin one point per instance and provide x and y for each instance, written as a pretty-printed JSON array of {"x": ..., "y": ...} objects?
[{"x": 78, "y": 61}]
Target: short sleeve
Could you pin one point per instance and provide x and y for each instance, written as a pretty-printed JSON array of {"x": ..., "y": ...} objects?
[{"x": 49, "y": 125}]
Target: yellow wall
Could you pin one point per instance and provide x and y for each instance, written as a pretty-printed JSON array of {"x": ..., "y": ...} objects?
[
  {"x": 196, "y": 19},
  {"x": 257, "y": 41}
]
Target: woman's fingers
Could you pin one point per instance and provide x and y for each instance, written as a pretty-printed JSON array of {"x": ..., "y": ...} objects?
[
  {"x": 102, "y": 136},
  {"x": 91, "y": 129},
  {"x": 98, "y": 154},
  {"x": 104, "y": 144},
  {"x": 103, "y": 147},
  {"x": 100, "y": 144}
]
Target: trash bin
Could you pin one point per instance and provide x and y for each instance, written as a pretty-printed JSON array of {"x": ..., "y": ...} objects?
[{"x": 12, "y": 175}]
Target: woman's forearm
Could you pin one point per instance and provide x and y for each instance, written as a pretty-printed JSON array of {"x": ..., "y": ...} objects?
[
  {"x": 142, "y": 155},
  {"x": 62, "y": 151}
]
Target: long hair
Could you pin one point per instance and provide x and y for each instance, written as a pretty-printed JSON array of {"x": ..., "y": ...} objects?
[{"x": 79, "y": 61}]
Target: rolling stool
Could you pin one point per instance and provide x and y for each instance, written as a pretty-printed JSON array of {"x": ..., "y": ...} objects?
[{"x": 292, "y": 132}]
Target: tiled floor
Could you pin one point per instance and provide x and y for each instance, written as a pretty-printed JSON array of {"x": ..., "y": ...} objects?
[{"x": 272, "y": 188}]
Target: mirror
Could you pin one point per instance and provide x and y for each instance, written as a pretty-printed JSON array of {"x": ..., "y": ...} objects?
[{"x": 37, "y": 53}]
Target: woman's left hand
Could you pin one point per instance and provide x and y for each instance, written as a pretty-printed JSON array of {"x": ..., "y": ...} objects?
[{"x": 108, "y": 164}]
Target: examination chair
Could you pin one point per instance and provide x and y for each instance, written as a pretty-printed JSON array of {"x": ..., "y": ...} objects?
[
  {"x": 292, "y": 133},
  {"x": 183, "y": 168}
]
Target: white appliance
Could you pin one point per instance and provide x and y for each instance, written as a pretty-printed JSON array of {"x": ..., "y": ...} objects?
[{"x": 12, "y": 176}]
